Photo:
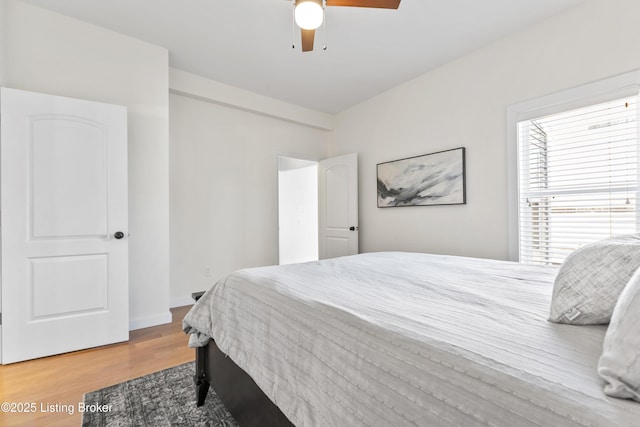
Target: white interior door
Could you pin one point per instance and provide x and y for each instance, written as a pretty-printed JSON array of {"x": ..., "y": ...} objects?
[
  {"x": 338, "y": 201},
  {"x": 64, "y": 224}
]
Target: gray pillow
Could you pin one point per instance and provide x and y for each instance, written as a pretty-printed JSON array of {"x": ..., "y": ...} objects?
[
  {"x": 619, "y": 364},
  {"x": 591, "y": 279}
]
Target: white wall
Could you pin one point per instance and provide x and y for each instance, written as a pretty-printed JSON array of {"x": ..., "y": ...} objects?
[
  {"x": 3, "y": 39},
  {"x": 297, "y": 210},
  {"x": 224, "y": 177},
  {"x": 464, "y": 103},
  {"x": 50, "y": 53}
]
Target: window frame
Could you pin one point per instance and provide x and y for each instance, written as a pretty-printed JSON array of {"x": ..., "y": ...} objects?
[{"x": 577, "y": 97}]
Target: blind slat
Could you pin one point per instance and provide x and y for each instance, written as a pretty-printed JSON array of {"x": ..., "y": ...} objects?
[{"x": 578, "y": 179}]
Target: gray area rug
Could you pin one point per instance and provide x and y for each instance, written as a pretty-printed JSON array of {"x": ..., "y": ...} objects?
[{"x": 165, "y": 398}]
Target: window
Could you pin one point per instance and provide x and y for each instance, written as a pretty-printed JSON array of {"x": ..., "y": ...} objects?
[{"x": 577, "y": 178}]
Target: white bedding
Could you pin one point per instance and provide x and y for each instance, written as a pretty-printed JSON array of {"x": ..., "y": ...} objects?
[{"x": 406, "y": 339}]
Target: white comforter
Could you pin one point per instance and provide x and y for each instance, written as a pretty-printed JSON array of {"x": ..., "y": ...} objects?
[{"x": 405, "y": 339}]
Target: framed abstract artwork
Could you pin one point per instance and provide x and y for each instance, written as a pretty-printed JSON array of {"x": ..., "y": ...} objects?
[{"x": 427, "y": 180}]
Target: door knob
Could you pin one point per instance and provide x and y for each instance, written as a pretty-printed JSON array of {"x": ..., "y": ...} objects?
[
  {"x": 118, "y": 235},
  {"x": 352, "y": 228}
]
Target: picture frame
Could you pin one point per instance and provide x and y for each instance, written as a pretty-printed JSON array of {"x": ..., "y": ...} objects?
[{"x": 427, "y": 180}]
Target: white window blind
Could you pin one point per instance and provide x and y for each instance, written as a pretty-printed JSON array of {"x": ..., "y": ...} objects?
[{"x": 578, "y": 179}]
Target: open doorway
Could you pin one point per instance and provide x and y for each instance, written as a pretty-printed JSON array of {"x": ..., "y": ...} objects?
[{"x": 297, "y": 210}]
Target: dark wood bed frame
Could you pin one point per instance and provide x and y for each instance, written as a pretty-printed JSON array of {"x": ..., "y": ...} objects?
[{"x": 240, "y": 394}]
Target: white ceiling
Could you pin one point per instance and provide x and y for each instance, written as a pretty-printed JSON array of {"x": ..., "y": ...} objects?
[{"x": 247, "y": 43}]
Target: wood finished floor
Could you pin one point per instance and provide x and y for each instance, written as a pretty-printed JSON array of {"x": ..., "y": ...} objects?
[{"x": 64, "y": 379}]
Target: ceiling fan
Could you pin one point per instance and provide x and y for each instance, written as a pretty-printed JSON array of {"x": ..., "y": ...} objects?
[{"x": 309, "y": 14}]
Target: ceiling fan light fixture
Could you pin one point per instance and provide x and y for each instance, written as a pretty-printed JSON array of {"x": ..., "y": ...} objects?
[{"x": 309, "y": 14}]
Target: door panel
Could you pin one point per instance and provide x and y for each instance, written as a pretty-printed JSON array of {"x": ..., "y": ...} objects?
[
  {"x": 68, "y": 197},
  {"x": 337, "y": 246},
  {"x": 337, "y": 195},
  {"x": 66, "y": 285},
  {"x": 338, "y": 201},
  {"x": 63, "y": 194}
]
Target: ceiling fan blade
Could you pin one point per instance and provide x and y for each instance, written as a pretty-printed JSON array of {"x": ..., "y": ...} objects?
[
  {"x": 307, "y": 39},
  {"x": 382, "y": 4}
]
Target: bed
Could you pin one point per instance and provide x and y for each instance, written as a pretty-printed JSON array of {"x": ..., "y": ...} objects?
[{"x": 400, "y": 339}]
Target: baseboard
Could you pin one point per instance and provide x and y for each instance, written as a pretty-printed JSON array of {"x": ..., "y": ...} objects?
[
  {"x": 148, "y": 321},
  {"x": 181, "y": 301}
]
